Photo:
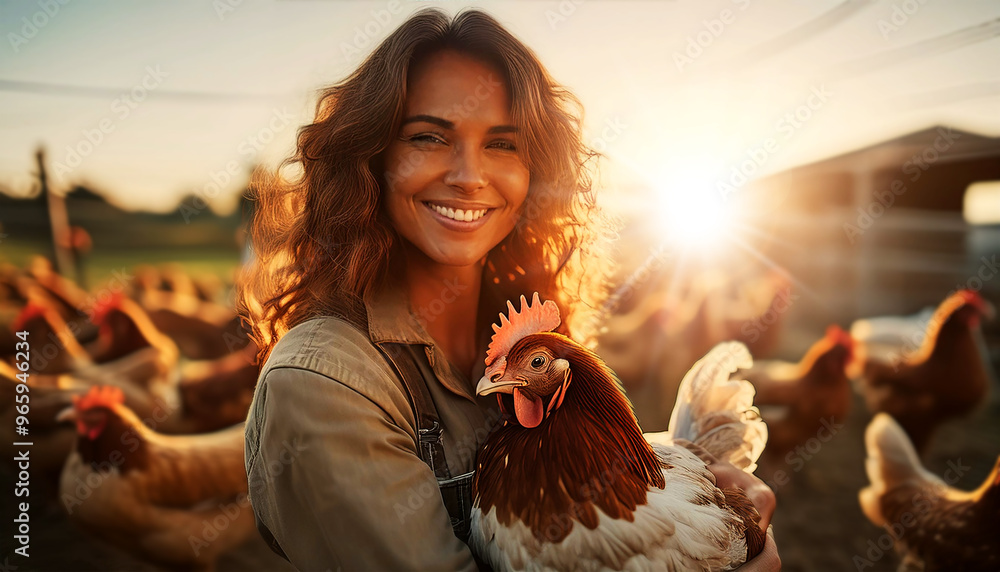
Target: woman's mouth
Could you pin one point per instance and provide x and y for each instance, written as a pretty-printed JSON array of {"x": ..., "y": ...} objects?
[{"x": 458, "y": 219}]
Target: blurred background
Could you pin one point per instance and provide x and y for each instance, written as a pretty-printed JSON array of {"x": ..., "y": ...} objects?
[{"x": 778, "y": 168}]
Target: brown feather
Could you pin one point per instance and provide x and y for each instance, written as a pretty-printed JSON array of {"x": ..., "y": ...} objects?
[{"x": 741, "y": 504}]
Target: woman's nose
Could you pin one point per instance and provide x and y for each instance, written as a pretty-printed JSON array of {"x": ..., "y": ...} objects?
[{"x": 467, "y": 171}]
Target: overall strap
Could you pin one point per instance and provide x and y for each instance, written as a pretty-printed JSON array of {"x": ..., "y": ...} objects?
[
  {"x": 403, "y": 358},
  {"x": 410, "y": 364}
]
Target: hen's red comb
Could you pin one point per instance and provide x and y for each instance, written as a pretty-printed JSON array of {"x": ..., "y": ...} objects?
[
  {"x": 103, "y": 307},
  {"x": 31, "y": 311},
  {"x": 837, "y": 335},
  {"x": 531, "y": 319},
  {"x": 99, "y": 396},
  {"x": 952, "y": 303},
  {"x": 972, "y": 298}
]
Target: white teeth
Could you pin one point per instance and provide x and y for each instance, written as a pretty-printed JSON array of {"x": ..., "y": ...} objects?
[{"x": 459, "y": 215}]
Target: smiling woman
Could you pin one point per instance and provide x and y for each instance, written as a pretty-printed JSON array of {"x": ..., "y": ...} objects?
[{"x": 441, "y": 179}]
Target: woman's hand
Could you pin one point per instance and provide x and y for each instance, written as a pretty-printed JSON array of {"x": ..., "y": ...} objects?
[
  {"x": 761, "y": 495},
  {"x": 768, "y": 559},
  {"x": 728, "y": 475}
]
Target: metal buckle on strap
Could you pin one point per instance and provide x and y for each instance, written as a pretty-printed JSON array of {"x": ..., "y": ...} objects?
[
  {"x": 431, "y": 434},
  {"x": 459, "y": 480}
]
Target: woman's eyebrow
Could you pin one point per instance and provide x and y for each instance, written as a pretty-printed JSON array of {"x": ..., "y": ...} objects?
[{"x": 444, "y": 123}]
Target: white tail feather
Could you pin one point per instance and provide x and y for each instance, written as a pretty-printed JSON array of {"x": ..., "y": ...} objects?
[
  {"x": 716, "y": 412},
  {"x": 891, "y": 460}
]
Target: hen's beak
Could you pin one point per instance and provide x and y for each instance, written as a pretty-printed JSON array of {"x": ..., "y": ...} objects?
[
  {"x": 989, "y": 310},
  {"x": 487, "y": 386},
  {"x": 68, "y": 414}
]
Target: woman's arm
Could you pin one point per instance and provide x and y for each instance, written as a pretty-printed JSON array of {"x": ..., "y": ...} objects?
[{"x": 339, "y": 485}]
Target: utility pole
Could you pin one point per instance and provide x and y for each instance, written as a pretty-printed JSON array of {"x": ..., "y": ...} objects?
[{"x": 58, "y": 219}]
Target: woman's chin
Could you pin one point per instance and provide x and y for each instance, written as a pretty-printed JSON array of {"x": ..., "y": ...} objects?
[
  {"x": 459, "y": 259},
  {"x": 458, "y": 255}
]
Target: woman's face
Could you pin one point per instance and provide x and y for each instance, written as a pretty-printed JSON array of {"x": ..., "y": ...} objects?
[{"x": 455, "y": 177}]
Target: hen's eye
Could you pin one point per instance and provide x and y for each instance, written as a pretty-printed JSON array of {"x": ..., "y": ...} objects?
[{"x": 537, "y": 362}]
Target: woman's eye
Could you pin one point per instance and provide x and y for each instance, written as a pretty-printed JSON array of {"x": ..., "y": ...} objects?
[
  {"x": 505, "y": 145},
  {"x": 427, "y": 137},
  {"x": 538, "y": 361}
]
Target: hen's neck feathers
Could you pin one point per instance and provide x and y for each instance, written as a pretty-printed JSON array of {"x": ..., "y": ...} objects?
[
  {"x": 945, "y": 330},
  {"x": 122, "y": 443},
  {"x": 587, "y": 453},
  {"x": 825, "y": 359}
]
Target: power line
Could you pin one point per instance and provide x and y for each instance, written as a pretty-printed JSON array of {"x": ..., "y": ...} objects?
[{"x": 105, "y": 92}]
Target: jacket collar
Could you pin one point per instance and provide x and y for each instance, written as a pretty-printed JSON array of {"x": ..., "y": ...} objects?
[{"x": 391, "y": 320}]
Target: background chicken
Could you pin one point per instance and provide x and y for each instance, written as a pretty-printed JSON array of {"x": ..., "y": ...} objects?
[
  {"x": 796, "y": 399},
  {"x": 893, "y": 333},
  {"x": 47, "y": 395},
  {"x": 568, "y": 481},
  {"x": 179, "y": 500},
  {"x": 942, "y": 528},
  {"x": 945, "y": 378},
  {"x": 60, "y": 351},
  {"x": 216, "y": 393},
  {"x": 202, "y": 329},
  {"x": 133, "y": 355}
]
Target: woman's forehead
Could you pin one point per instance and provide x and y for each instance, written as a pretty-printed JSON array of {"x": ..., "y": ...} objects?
[{"x": 459, "y": 88}]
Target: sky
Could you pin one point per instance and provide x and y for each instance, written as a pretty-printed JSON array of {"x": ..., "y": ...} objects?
[{"x": 149, "y": 102}]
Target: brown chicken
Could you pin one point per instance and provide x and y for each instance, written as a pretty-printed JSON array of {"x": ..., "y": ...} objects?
[
  {"x": 201, "y": 329},
  {"x": 216, "y": 393},
  {"x": 797, "y": 400},
  {"x": 178, "y": 500},
  {"x": 56, "y": 347},
  {"x": 125, "y": 328},
  {"x": 568, "y": 481},
  {"x": 945, "y": 378},
  {"x": 45, "y": 396},
  {"x": 935, "y": 527},
  {"x": 68, "y": 297}
]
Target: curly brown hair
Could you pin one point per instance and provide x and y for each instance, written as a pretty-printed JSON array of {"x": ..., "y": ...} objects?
[{"x": 323, "y": 243}]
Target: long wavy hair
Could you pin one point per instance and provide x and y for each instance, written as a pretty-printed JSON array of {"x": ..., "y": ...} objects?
[{"x": 322, "y": 242}]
